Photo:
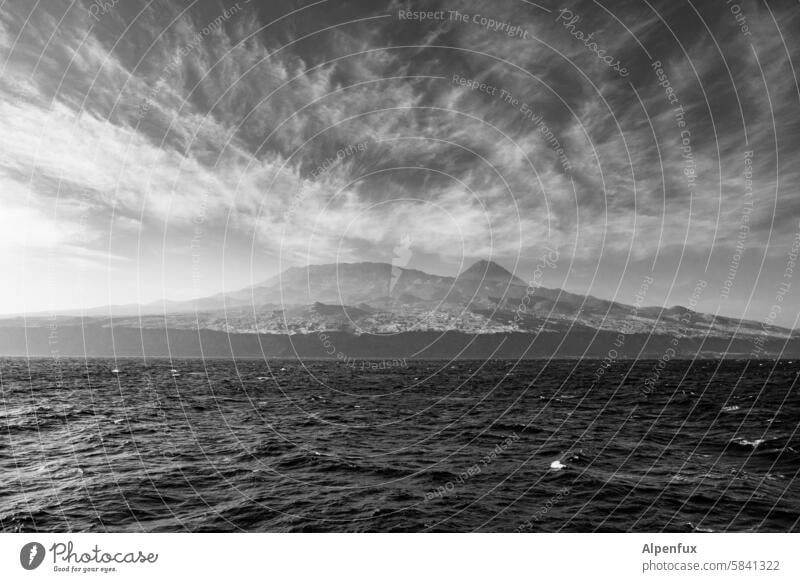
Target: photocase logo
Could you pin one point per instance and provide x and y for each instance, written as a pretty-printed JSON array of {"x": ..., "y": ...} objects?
[{"x": 31, "y": 555}]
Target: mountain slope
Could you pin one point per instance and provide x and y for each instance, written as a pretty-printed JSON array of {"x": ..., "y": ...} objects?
[
  {"x": 379, "y": 298},
  {"x": 489, "y": 271}
]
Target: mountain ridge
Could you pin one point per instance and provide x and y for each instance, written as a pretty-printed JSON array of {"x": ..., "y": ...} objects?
[
  {"x": 371, "y": 309},
  {"x": 379, "y": 298}
]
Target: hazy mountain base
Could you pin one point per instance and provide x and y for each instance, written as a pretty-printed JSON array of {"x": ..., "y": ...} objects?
[
  {"x": 379, "y": 298},
  {"x": 378, "y": 310},
  {"x": 102, "y": 341}
]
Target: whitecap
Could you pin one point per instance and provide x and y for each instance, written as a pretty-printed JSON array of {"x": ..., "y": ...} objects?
[
  {"x": 700, "y": 529},
  {"x": 753, "y": 444}
]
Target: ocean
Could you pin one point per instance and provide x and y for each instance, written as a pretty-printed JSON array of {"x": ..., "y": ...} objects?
[{"x": 415, "y": 446}]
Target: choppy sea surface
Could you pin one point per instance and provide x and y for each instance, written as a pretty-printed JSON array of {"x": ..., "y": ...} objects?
[{"x": 99, "y": 445}]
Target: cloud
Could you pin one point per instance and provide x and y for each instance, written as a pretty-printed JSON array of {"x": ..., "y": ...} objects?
[{"x": 148, "y": 120}]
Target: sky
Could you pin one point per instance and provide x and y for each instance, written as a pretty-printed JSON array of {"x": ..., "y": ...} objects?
[{"x": 180, "y": 149}]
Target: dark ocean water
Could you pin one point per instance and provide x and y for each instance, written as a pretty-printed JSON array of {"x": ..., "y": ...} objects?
[{"x": 421, "y": 446}]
